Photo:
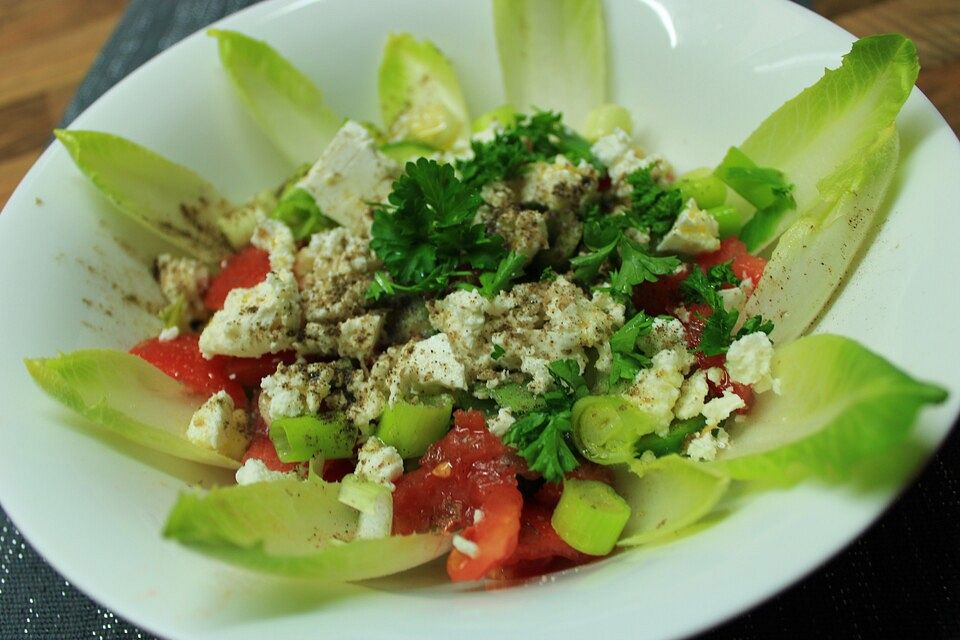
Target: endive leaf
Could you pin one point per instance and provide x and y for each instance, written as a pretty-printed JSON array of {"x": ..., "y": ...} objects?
[
  {"x": 167, "y": 198},
  {"x": 295, "y": 528},
  {"x": 128, "y": 396}
]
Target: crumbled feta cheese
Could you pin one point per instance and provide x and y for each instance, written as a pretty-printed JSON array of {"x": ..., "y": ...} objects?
[
  {"x": 704, "y": 445},
  {"x": 169, "y": 333},
  {"x": 665, "y": 333},
  {"x": 498, "y": 194},
  {"x": 295, "y": 390},
  {"x": 373, "y": 390},
  {"x": 523, "y": 230},
  {"x": 501, "y": 423},
  {"x": 693, "y": 392},
  {"x": 217, "y": 426},
  {"x": 335, "y": 298},
  {"x": 379, "y": 463},
  {"x": 733, "y": 298},
  {"x": 262, "y": 319},
  {"x": 254, "y": 470},
  {"x": 359, "y": 335},
  {"x": 719, "y": 409},
  {"x": 694, "y": 231},
  {"x": 468, "y": 548},
  {"x": 350, "y": 174},
  {"x": 477, "y": 516},
  {"x": 749, "y": 359},
  {"x": 622, "y": 157},
  {"x": 336, "y": 251},
  {"x": 559, "y": 185},
  {"x": 461, "y": 315},
  {"x": 276, "y": 239},
  {"x": 656, "y": 389},
  {"x": 430, "y": 366},
  {"x": 184, "y": 279}
]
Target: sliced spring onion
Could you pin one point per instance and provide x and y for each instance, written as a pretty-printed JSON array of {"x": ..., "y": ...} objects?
[
  {"x": 505, "y": 115},
  {"x": 407, "y": 150},
  {"x": 411, "y": 428},
  {"x": 590, "y": 516},
  {"x": 606, "y": 428},
  {"x": 604, "y": 119},
  {"x": 299, "y": 439},
  {"x": 704, "y": 187},
  {"x": 729, "y": 219},
  {"x": 670, "y": 443},
  {"x": 373, "y": 501}
]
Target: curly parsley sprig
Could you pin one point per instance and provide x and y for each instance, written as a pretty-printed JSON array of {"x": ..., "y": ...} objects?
[
  {"x": 542, "y": 438},
  {"x": 426, "y": 237}
]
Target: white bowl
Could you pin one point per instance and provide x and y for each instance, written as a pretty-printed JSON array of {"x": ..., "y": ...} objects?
[{"x": 699, "y": 75}]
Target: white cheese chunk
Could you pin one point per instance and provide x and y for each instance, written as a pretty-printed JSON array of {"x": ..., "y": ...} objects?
[
  {"x": 350, "y": 174},
  {"x": 379, "y": 463},
  {"x": 186, "y": 280},
  {"x": 665, "y": 333},
  {"x": 693, "y": 392},
  {"x": 295, "y": 390},
  {"x": 656, "y": 389},
  {"x": 262, "y": 319},
  {"x": 254, "y": 470},
  {"x": 694, "y": 231},
  {"x": 749, "y": 360},
  {"x": 705, "y": 445},
  {"x": 622, "y": 157},
  {"x": 359, "y": 335},
  {"x": 218, "y": 426},
  {"x": 559, "y": 185},
  {"x": 501, "y": 423},
  {"x": 276, "y": 239},
  {"x": 719, "y": 409},
  {"x": 431, "y": 366}
]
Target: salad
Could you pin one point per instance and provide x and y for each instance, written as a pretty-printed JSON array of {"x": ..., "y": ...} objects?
[{"x": 522, "y": 341}]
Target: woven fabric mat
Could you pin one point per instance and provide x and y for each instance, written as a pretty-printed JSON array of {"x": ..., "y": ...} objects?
[{"x": 901, "y": 579}]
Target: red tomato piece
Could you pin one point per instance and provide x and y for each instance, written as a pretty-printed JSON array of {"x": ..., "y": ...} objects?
[
  {"x": 261, "y": 448},
  {"x": 744, "y": 264},
  {"x": 245, "y": 269},
  {"x": 468, "y": 470},
  {"x": 496, "y": 535},
  {"x": 250, "y": 371},
  {"x": 181, "y": 359},
  {"x": 539, "y": 540},
  {"x": 335, "y": 470},
  {"x": 660, "y": 297}
]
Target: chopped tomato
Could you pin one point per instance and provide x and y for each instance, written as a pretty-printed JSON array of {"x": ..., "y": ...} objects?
[
  {"x": 245, "y": 269},
  {"x": 660, "y": 297},
  {"x": 335, "y": 470},
  {"x": 261, "y": 448},
  {"x": 468, "y": 470},
  {"x": 496, "y": 535},
  {"x": 250, "y": 371},
  {"x": 181, "y": 359},
  {"x": 539, "y": 548},
  {"x": 744, "y": 264}
]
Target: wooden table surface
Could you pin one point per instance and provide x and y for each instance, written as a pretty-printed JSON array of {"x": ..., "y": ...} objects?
[{"x": 46, "y": 47}]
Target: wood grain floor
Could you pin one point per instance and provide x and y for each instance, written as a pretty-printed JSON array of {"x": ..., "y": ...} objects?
[{"x": 46, "y": 47}]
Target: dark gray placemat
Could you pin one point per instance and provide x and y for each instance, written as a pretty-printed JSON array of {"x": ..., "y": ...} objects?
[{"x": 902, "y": 579}]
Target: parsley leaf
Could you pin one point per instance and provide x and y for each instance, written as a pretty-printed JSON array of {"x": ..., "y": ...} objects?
[
  {"x": 653, "y": 207},
  {"x": 541, "y": 136},
  {"x": 721, "y": 274},
  {"x": 717, "y": 328},
  {"x": 425, "y": 234},
  {"x": 510, "y": 268},
  {"x": 755, "y": 324},
  {"x": 498, "y": 352},
  {"x": 636, "y": 267},
  {"x": 542, "y": 437},
  {"x": 626, "y": 360}
]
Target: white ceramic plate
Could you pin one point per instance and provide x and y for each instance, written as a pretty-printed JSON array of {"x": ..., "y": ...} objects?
[{"x": 699, "y": 75}]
